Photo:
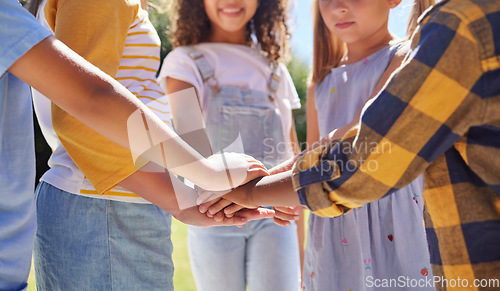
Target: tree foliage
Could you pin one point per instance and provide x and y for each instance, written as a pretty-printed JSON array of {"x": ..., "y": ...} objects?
[{"x": 299, "y": 70}]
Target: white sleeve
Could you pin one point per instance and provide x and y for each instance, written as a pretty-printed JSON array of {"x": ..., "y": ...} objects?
[
  {"x": 289, "y": 92},
  {"x": 178, "y": 65}
]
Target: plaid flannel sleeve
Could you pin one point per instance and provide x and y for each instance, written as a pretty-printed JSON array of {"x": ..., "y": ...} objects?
[{"x": 427, "y": 106}]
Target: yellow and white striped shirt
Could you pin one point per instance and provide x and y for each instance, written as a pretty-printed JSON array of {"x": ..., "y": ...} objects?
[{"x": 123, "y": 44}]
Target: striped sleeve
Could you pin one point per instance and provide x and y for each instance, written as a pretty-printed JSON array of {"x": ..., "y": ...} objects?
[
  {"x": 427, "y": 106},
  {"x": 96, "y": 30}
]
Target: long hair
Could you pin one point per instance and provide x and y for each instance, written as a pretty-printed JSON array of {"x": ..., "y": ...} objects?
[
  {"x": 418, "y": 9},
  {"x": 190, "y": 25},
  {"x": 328, "y": 50}
]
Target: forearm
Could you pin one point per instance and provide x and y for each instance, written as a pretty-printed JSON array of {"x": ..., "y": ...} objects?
[
  {"x": 157, "y": 187},
  {"x": 79, "y": 88},
  {"x": 106, "y": 106},
  {"x": 406, "y": 127},
  {"x": 275, "y": 190},
  {"x": 170, "y": 194}
]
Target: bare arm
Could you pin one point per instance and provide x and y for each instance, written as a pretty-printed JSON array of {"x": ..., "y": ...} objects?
[
  {"x": 312, "y": 117},
  {"x": 187, "y": 115},
  {"x": 312, "y": 120},
  {"x": 55, "y": 70},
  {"x": 274, "y": 190},
  {"x": 179, "y": 200},
  {"x": 102, "y": 103}
]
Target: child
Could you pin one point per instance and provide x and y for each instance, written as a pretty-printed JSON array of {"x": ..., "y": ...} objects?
[
  {"x": 383, "y": 239},
  {"x": 443, "y": 122},
  {"x": 229, "y": 53},
  {"x": 29, "y": 53},
  {"x": 85, "y": 239}
]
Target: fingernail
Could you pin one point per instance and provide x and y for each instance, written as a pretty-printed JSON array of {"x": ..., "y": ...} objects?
[
  {"x": 202, "y": 209},
  {"x": 199, "y": 200}
]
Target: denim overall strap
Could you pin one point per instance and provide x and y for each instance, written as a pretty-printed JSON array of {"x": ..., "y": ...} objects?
[
  {"x": 202, "y": 64},
  {"x": 274, "y": 81},
  {"x": 206, "y": 71},
  {"x": 208, "y": 74},
  {"x": 243, "y": 120}
]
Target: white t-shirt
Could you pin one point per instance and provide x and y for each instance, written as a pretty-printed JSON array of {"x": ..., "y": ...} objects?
[{"x": 233, "y": 65}]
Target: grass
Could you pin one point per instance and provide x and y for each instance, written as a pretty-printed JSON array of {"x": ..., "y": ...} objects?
[{"x": 183, "y": 279}]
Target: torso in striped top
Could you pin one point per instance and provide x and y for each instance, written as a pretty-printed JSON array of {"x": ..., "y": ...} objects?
[{"x": 137, "y": 72}]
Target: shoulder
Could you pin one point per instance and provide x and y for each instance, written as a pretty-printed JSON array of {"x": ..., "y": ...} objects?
[
  {"x": 326, "y": 82},
  {"x": 19, "y": 32},
  {"x": 99, "y": 5},
  {"x": 462, "y": 15},
  {"x": 180, "y": 51},
  {"x": 469, "y": 23},
  {"x": 122, "y": 12},
  {"x": 179, "y": 65}
]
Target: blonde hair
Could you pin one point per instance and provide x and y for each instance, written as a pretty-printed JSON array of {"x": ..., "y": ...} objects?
[
  {"x": 418, "y": 9},
  {"x": 328, "y": 50}
]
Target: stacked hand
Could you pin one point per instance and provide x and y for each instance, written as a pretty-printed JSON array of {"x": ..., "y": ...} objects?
[
  {"x": 223, "y": 205},
  {"x": 232, "y": 170}
]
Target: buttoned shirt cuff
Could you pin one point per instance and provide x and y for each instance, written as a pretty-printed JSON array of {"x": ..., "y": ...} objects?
[{"x": 309, "y": 176}]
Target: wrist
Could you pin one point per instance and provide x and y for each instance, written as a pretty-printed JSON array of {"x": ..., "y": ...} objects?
[{"x": 251, "y": 193}]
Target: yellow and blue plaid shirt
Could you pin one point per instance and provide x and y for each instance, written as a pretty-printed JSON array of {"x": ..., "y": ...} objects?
[{"x": 439, "y": 115}]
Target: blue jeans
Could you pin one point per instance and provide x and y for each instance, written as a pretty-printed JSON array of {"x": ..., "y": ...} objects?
[
  {"x": 95, "y": 244},
  {"x": 261, "y": 254}
]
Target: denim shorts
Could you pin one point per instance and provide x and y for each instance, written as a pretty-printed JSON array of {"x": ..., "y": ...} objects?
[
  {"x": 260, "y": 255},
  {"x": 87, "y": 243}
]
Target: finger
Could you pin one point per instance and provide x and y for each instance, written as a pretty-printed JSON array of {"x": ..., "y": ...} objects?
[
  {"x": 257, "y": 167},
  {"x": 255, "y": 163},
  {"x": 236, "y": 220},
  {"x": 206, "y": 206},
  {"x": 223, "y": 203},
  {"x": 208, "y": 196},
  {"x": 281, "y": 222},
  {"x": 254, "y": 214},
  {"x": 259, "y": 170},
  {"x": 231, "y": 209},
  {"x": 285, "y": 216},
  {"x": 288, "y": 210},
  {"x": 219, "y": 216}
]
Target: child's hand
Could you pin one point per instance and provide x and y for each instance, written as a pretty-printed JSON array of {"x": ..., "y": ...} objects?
[
  {"x": 248, "y": 215},
  {"x": 214, "y": 206},
  {"x": 240, "y": 196},
  {"x": 234, "y": 169},
  {"x": 193, "y": 216},
  {"x": 251, "y": 214},
  {"x": 284, "y": 214}
]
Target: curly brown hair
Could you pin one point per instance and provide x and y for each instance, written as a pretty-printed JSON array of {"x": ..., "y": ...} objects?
[{"x": 190, "y": 25}]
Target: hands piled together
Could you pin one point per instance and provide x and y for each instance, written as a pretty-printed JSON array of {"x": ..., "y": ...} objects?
[{"x": 226, "y": 206}]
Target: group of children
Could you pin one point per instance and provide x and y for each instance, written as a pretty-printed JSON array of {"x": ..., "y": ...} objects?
[
  {"x": 104, "y": 224},
  {"x": 224, "y": 51}
]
